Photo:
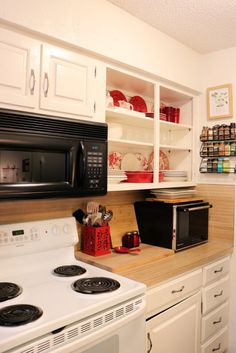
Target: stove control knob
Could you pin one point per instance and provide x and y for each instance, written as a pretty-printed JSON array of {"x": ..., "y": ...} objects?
[
  {"x": 55, "y": 230},
  {"x": 67, "y": 228}
]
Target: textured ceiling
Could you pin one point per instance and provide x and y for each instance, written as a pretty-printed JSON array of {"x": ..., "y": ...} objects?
[{"x": 203, "y": 25}]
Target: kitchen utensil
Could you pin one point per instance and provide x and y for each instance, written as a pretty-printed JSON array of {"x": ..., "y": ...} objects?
[
  {"x": 79, "y": 216},
  {"x": 92, "y": 207},
  {"x": 124, "y": 250},
  {"x": 107, "y": 216}
]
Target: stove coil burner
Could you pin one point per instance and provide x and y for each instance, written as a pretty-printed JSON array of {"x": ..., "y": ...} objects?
[
  {"x": 9, "y": 290},
  {"x": 69, "y": 271},
  {"x": 95, "y": 285},
  {"x": 21, "y": 314}
]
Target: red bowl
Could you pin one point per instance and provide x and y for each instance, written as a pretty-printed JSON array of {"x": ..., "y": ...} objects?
[{"x": 139, "y": 177}]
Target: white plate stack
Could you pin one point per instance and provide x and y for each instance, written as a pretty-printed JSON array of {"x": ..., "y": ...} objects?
[
  {"x": 115, "y": 176},
  {"x": 175, "y": 175},
  {"x": 173, "y": 193}
]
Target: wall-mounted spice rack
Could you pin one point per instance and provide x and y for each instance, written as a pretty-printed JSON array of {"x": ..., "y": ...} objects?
[{"x": 218, "y": 144}]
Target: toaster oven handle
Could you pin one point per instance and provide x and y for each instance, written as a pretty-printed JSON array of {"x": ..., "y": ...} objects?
[{"x": 190, "y": 209}]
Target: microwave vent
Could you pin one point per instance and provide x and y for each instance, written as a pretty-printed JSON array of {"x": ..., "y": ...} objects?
[{"x": 15, "y": 121}]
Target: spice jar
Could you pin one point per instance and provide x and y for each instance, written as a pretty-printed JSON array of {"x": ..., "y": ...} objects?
[
  {"x": 204, "y": 133},
  {"x": 221, "y": 132},
  {"x": 210, "y": 134},
  {"x": 226, "y": 165},
  {"x": 215, "y": 132},
  {"x": 232, "y": 131}
]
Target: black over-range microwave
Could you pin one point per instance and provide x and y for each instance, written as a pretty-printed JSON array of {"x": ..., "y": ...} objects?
[
  {"x": 173, "y": 225},
  {"x": 44, "y": 156}
]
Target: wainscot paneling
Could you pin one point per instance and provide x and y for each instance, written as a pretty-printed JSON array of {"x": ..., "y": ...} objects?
[
  {"x": 221, "y": 220},
  {"x": 121, "y": 203}
]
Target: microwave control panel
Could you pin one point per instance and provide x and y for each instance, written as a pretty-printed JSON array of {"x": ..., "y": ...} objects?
[{"x": 96, "y": 166}]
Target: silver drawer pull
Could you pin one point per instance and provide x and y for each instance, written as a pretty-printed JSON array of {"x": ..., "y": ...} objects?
[
  {"x": 178, "y": 290},
  {"x": 220, "y": 270},
  {"x": 217, "y": 321},
  {"x": 216, "y": 349},
  {"x": 218, "y": 295}
]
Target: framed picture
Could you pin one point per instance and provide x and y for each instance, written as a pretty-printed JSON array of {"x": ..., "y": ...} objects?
[{"x": 219, "y": 102}]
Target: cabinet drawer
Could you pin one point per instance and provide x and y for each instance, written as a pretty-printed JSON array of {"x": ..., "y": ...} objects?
[
  {"x": 215, "y": 321},
  {"x": 216, "y": 270},
  {"x": 215, "y": 294},
  {"x": 217, "y": 344},
  {"x": 173, "y": 291}
]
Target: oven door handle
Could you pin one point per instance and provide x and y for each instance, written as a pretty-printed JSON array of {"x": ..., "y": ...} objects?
[{"x": 190, "y": 209}]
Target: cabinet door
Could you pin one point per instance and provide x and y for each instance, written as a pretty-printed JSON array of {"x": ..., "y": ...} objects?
[
  {"x": 19, "y": 70},
  {"x": 176, "y": 329},
  {"x": 67, "y": 82}
]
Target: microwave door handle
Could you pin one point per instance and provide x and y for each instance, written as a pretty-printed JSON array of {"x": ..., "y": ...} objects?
[
  {"x": 82, "y": 148},
  {"x": 186, "y": 209}
]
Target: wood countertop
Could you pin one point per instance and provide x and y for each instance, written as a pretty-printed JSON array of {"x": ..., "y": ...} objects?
[{"x": 157, "y": 265}]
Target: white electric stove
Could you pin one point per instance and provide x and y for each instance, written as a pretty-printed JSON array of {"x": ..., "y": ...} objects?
[{"x": 50, "y": 302}]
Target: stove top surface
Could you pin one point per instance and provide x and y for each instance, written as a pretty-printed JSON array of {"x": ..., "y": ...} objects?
[{"x": 56, "y": 297}]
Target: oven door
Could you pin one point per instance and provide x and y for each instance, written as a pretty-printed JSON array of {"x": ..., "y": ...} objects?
[
  {"x": 126, "y": 335},
  {"x": 190, "y": 224}
]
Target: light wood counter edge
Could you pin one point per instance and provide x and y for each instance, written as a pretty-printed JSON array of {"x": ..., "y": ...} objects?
[{"x": 172, "y": 266}]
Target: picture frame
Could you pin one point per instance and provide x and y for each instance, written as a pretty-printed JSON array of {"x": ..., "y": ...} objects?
[{"x": 219, "y": 102}]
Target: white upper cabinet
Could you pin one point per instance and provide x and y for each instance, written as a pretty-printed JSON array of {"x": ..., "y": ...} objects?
[
  {"x": 48, "y": 79},
  {"x": 67, "y": 82},
  {"x": 19, "y": 70}
]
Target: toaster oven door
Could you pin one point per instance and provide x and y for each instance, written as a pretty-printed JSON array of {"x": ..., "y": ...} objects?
[{"x": 191, "y": 224}]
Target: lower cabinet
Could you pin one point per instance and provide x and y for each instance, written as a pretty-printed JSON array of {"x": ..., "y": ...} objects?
[
  {"x": 190, "y": 314},
  {"x": 215, "y": 307},
  {"x": 176, "y": 329}
]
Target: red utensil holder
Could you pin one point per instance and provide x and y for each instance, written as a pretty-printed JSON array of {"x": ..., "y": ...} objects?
[{"x": 96, "y": 240}]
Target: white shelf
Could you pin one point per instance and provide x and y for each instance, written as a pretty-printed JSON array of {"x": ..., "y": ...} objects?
[
  {"x": 130, "y": 142},
  {"x": 175, "y": 148},
  {"x": 125, "y": 116},
  {"x": 175, "y": 184},
  {"x": 173, "y": 126},
  {"x": 130, "y": 186}
]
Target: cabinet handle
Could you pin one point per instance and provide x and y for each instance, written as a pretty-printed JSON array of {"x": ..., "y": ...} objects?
[
  {"x": 150, "y": 343},
  {"x": 178, "y": 290},
  {"x": 216, "y": 349},
  {"x": 46, "y": 85},
  {"x": 220, "y": 270},
  {"x": 218, "y": 295},
  {"x": 217, "y": 321},
  {"x": 32, "y": 81}
]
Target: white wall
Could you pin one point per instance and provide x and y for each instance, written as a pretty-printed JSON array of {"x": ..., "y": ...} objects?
[
  {"x": 219, "y": 68},
  {"x": 101, "y": 27}
]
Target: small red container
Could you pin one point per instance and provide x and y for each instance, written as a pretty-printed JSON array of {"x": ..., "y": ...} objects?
[{"x": 96, "y": 240}]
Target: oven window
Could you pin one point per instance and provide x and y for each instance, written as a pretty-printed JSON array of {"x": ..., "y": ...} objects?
[{"x": 35, "y": 166}]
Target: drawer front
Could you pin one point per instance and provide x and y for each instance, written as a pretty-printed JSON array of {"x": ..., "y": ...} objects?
[
  {"x": 215, "y": 294},
  {"x": 218, "y": 343},
  {"x": 215, "y": 321},
  {"x": 216, "y": 270},
  {"x": 171, "y": 292}
]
